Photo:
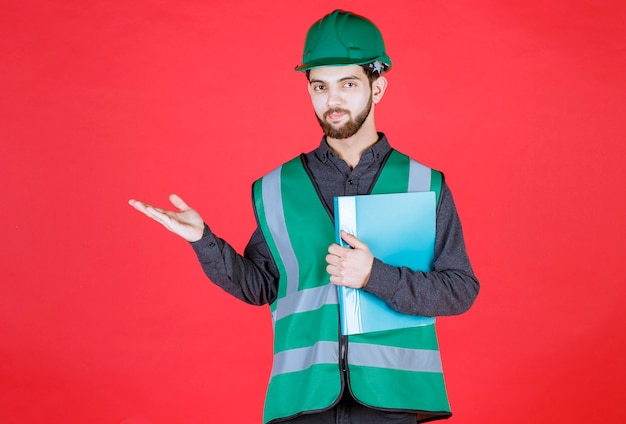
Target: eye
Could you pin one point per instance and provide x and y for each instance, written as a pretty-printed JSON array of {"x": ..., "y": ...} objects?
[
  {"x": 349, "y": 84},
  {"x": 319, "y": 87}
]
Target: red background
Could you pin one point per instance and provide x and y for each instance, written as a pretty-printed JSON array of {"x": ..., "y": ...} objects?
[{"x": 106, "y": 318}]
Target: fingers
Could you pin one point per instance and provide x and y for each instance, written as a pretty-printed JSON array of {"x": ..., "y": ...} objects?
[
  {"x": 140, "y": 206},
  {"x": 145, "y": 207},
  {"x": 352, "y": 240},
  {"x": 333, "y": 260},
  {"x": 335, "y": 249},
  {"x": 338, "y": 260},
  {"x": 349, "y": 267},
  {"x": 179, "y": 202},
  {"x": 150, "y": 211},
  {"x": 341, "y": 251}
]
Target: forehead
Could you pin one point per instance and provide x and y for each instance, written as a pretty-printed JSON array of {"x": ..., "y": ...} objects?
[{"x": 336, "y": 73}]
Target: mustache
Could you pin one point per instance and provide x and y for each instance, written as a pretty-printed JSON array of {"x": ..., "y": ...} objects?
[{"x": 335, "y": 110}]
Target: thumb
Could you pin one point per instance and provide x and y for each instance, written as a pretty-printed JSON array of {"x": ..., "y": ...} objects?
[
  {"x": 179, "y": 202},
  {"x": 352, "y": 240}
]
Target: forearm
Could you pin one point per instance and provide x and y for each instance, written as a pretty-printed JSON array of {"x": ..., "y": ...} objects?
[
  {"x": 434, "y": 293},
  {"x": 251, "y": 277}
]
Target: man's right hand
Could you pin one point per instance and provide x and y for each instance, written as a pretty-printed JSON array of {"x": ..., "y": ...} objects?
[{"x": 187, "y": 223}]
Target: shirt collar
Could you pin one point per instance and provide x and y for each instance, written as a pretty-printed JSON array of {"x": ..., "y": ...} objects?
[{"x": 378, "y": 150}]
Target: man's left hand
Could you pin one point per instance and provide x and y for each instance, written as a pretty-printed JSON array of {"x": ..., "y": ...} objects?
[{"x": 349, "y": 267}]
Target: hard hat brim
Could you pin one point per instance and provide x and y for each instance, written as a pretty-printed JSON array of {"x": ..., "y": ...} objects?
[{"x": 339, "y": 62}]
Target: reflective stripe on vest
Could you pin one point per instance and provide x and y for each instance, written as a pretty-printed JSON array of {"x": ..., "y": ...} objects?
[
  {"x": 419, "y": 177},
  {"x": 306, "y": 300},
  {"x": 303, "y": 358},
  {"x": 371, "y": 355},
  {"x": 305, "y": 373},
  {"x": 273, "y": 201}
]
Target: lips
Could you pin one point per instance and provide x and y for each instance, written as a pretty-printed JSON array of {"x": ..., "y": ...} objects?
[{"x": 335, "y": 114}]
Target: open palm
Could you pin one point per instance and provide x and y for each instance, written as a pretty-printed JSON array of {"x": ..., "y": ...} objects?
[{"x": 185, "y": 222}]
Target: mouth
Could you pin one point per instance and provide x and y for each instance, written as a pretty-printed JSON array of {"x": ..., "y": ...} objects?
[{"x": 335, "y": 115}]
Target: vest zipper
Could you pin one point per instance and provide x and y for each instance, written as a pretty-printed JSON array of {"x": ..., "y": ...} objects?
[{"x": 343, "y": 354}]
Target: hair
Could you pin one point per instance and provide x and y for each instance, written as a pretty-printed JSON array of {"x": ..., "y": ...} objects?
[{"x": 372, "y": 74}]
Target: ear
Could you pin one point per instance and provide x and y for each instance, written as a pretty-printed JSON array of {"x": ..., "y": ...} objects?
[{"x": 378, "y": 89}]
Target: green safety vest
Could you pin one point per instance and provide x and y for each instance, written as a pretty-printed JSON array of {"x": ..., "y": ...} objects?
[{"x": 394, "y": 370}]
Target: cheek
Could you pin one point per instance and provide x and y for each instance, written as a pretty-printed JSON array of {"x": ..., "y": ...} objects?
[
  {"x": 319, "y": 104},
  {"x": 364, "y": 100}
]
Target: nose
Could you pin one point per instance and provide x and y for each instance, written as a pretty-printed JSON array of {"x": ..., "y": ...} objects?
[{"x": 334, "y": 98}]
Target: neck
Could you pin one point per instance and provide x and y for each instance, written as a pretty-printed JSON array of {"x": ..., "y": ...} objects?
[{"x": 350, "y": 149}]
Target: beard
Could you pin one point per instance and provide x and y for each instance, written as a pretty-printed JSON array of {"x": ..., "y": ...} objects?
[{"x": 348, "y": 129}]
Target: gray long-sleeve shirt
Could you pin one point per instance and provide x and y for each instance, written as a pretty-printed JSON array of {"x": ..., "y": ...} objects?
[{"x": 449, "y": 289}]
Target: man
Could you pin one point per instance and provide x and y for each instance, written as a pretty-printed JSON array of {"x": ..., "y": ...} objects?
[{"x": 319, "y": 375}]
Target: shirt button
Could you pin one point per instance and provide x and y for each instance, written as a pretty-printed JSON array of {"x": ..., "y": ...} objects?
[
  {"x": 350, "y": 182},
  {"x": 212, "y": 244}
]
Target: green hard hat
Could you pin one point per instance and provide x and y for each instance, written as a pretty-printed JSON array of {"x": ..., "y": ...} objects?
[{"x": 343, "y": 38}]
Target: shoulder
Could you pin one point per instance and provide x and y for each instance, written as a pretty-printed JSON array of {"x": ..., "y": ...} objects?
[{"x": 292, "y": 170}]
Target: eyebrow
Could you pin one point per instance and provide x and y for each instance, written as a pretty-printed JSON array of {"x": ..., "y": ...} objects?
[{"x": 351, "y": 77}]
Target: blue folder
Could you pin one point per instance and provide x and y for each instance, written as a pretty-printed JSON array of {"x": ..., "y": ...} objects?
[{"x": 399, "y": 229}]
